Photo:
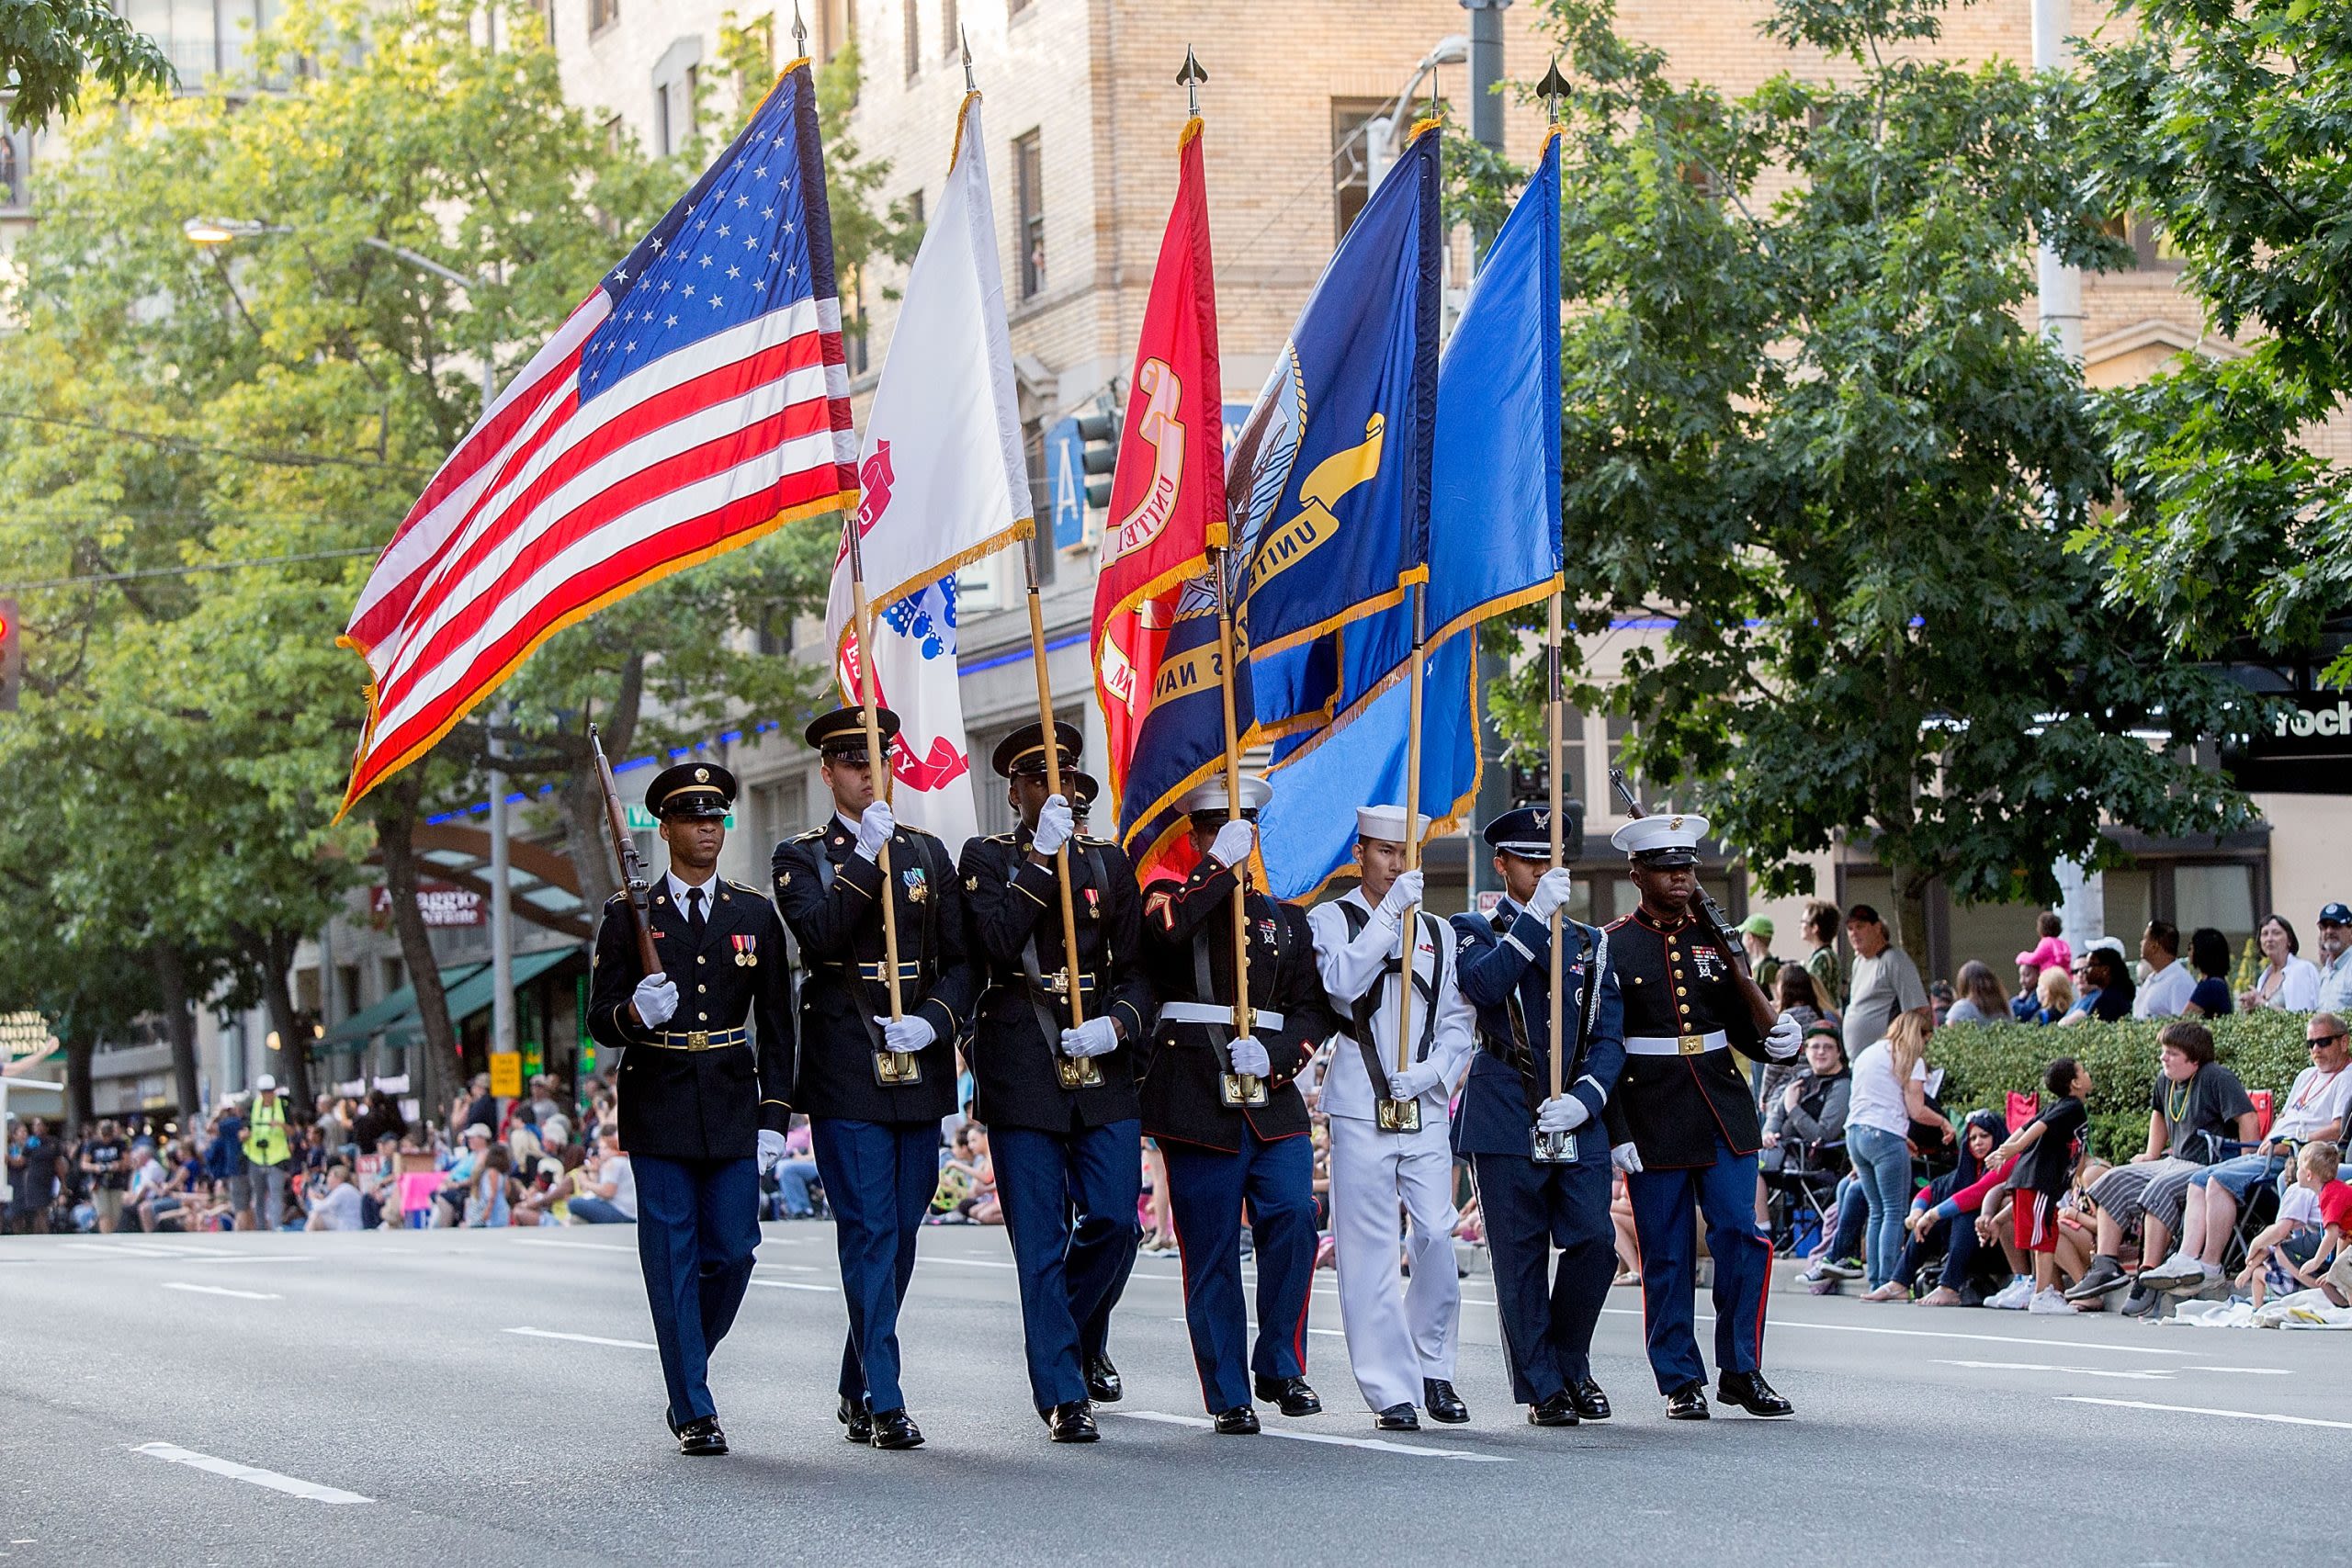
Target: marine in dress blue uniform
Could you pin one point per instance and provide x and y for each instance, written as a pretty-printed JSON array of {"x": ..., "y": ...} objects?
[
  {"x": 875, "y": 1133},
  {"x": 1065, "y": 1129},
  {"x": 1683, "y": 1125},
  {"x": 1221, "y": 1156},
  {"x": 1532, "y": 1207},
  {"x": 704, "y": 1106}
]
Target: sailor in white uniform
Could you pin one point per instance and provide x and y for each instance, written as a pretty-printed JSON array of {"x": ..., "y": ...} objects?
[{"x": 1400, "y": 1342}]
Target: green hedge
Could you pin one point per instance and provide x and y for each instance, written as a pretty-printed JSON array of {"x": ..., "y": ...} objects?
[{"x": 1984, "y": 1061}]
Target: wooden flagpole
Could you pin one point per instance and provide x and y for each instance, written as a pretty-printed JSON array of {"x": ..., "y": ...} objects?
[
  {"x": 1242, "y": 1017},
  {"x": 1052, "y": 782},
  {"x": 877, "y": 761},
  {"x": 1558, "y": 717},
  {"x": 1412, "y": 829}
]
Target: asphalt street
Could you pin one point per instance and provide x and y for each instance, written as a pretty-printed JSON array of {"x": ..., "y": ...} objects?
[{"x": 492, "y": 1397}]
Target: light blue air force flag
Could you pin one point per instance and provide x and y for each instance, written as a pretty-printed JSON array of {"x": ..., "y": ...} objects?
[{"x": 1494, "y": 545}]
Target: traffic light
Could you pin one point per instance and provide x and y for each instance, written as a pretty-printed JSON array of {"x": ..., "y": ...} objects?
[
  {"x": 12, "y": 657},
  {"x": 1100, "y": 431}
]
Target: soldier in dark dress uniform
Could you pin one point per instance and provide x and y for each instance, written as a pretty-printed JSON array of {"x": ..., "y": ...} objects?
[
  {"x": 1683, "y": 1127},
  {"x": 1060, "y": 1102},
  {"x": 875, "y": 1089},
  {"x": 703, "y": 1114},
  {"x": 1221, "y": 1156},
  {"x": 1531, "y": 1206}
]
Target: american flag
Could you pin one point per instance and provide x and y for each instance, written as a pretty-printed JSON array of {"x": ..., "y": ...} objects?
[{"x": 696, "y": 400}]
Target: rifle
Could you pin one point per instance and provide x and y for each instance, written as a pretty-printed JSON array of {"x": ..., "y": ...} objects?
[
  {"x": 1759, "y": 1007},
  {"x": 634, "y": 879}
]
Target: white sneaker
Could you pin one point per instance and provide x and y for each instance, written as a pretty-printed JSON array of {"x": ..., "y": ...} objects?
[
  {"x": 2047, "y": 1302},
  {"x": 2012, "y": 1296},
  {"x": 2178, "y": 1269}
]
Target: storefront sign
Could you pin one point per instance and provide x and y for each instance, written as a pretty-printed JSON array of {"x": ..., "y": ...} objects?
[
  {"x": 2305, "y": 749},
  {"x": 441, "y": 904}
]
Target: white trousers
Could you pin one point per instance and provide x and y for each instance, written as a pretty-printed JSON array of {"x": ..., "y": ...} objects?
[{"x": 1396, "y": 1336}]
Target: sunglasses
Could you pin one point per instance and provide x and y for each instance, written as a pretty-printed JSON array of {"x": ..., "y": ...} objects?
[{"x": 2321, "y": 1041}]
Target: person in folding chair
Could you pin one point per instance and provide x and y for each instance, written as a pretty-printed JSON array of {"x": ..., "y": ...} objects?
[
  {"x": 703, "y": 1109},
  {"x": 1683, "y": 1126},
  {"x": 1388, "y": 1128}
]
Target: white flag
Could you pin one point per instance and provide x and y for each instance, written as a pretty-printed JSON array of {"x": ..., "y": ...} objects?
[{"x": 943, "y": 481}]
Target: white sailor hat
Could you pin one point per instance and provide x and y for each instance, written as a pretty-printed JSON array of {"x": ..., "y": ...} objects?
[
  {"x": 1209, "y": 799},
  {"x": 1387, "y": 823},
  {"x": 1664, "y": 838}
]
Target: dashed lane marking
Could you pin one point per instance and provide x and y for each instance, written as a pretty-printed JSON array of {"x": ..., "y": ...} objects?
[
  {"x": 1774, "y": 1324},
  {"x": 1378, "y": 1445},
  {"x": 2149, "y": 1374},
  {"x": 2271, "y": 1415},
  {"x": 293, "y": 1486},
  {"x": 796, "y": 1285},
  {"x": 584, "y": 1338},
  {"x": 583, "y": 1246},
  {"x": 221, "y": 1291}
]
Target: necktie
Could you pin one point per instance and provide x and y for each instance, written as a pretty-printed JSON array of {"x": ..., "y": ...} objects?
[{"x": 693, "y": 912}]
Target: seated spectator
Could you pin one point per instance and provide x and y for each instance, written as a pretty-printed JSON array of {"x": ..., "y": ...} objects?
[
  {"x": 982, "y": 1207},
  {"x": 2051, "y": 952},
  {"x": 2108, "y": 991},
  {"x": 1978, "y": 999},
  {"x": 2044, "y": 1150},
  {"x": 951, "y": 1198},
  {"x": 2165, "y": 990},
  {"x": 459, "y": 1173},
  {"x": 1943, "y": 1224},
  {"x": 2316, "y": 1109},
  {"x": 2288, "y": 982},
  {"x": 2026, "y": 1006},
  {"x": 379, "y": 1187},
  {"x": 2055, "y": 993},
  {"x": 1795, "y": 994},
  {"x": 1809, "y": 1112},
  {"x": 796, "y": 1173},
  {"x": 487, "y": 1203},
  {"x": 2209, "y": 956},
  {"x": 1620, "y": 1219},
  {"x": 147, "y": 1179},
  {"x": 609, "y": 1197},
  {"x": 337, "y": 1209},
  {"x": 534, "y": 1193},
  {"x": 2196, "y": 1105},
  {"x": 2285, "y": 1250}
]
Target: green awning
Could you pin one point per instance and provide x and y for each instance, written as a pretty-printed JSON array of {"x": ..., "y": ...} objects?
[
  {"x": 475, "y": 992},
  {"x": 395, "y": 1012}
]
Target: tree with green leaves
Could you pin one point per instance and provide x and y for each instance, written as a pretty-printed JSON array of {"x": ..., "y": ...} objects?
[
  {"x": 51, "y": 51},
  {"x": 2225, "y": 127},
  {"x": 1807, "y": 431}
]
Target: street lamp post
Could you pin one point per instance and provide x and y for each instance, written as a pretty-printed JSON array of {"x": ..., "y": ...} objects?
[
  {"x": 224, "y": 231},
  {"x": 1380, "y": 133}
]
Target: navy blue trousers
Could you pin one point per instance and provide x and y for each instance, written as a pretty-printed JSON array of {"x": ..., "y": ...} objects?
[
  {"x": 1069, "y": 1205},
  {"x": 1664, "y": 1204},
  {"x": 697, "y": 1224},
  {"x": 1547, "y": 1323},
  {"x": 1207, "y": 1189},
  {"x": 878, "y": 1176}
]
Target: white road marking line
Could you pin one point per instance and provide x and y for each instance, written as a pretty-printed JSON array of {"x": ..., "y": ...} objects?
[
  {"x": 2151, "y": 1374},
  {"x": 2258, "y": 1371},
  {"x": 125, "y": 1248},
  {"x": 291, "y": 1485},
  {"x": 221, "y": 1291},
  {"x": 796, "y": 1285},
  {"x": 587, "y": 1246},
  {"x": 1378, "y": 1445},
  {"x": 2204, "y": 1410},
  {"x": 1773, "y": 1323},
  {"x": 1327, "y": 1333},
  {"x": 584, "y": 1338},
  {"x": 981, "y": 1262}
]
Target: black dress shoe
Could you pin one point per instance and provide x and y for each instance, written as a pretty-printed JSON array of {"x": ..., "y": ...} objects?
[
  {"x": 896, "y": 1429},
  {"x": 1688, "y": 1403},
  {"x": 702, "y": 1437},
  {"x": 1290, "y": 1395},
  {"x": 1071, "y": 1423},
  {"x": 1590, "y": 1403},
  {"x": 1238, "y": 1422},
  {"x": 1398, "y": 1418},
  {"x": 1560, "y": 1410},
  {"x": 1752, "y": 1394},
  {"x": 1103, "y": 1380},
  {"x": 1443, "y": 1402},
  {"x": 857, "y": 1423}
]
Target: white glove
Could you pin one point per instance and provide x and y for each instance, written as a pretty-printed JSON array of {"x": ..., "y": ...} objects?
[
  {"x": 1095, "y": 1037},
  {"x": 912, "y": 1032},
  {"x": 1563, "y": 1114},
  {"x": 656, "y": 1001},
  {"x": 1784, "y": 1039},
  {"x": 1551, "y": 892},
  {"x": 1054, "y": 826},
  {"x": 1233, "y": 842},
  {"x": 1402, "y": 895},
  {"x": 1411, "y": 1083},
  {"x": 874, "y": 826},
  {"x": 771, "y": 1150},
  {"x": 1627, "y": 1158},
  {"x": 1250, "y": 1057}
]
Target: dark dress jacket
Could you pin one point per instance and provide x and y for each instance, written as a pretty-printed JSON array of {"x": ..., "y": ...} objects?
[
  {"x": 1676, "y": 1111},
  {"x": 1504, "y": 965}
]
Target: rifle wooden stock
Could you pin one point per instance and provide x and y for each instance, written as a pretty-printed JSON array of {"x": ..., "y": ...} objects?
[{"x": 635, "y": 881}]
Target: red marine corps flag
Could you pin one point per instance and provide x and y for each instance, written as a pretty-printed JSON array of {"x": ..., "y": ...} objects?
[{"x": 1168, "y": 495}]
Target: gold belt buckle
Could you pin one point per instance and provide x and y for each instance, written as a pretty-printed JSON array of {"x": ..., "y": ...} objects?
[
  {"x": 697, "y": 1039},
  {"x": 1692, "y": 1044}
]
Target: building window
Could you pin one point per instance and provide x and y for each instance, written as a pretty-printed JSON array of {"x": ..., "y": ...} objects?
[
  {"x": 951, "y": 29},
  {"x": 836, "y": 28},
  {"x": 853, "y": 323},
  {"x": 1029, "y": 180},
  {"x": 1041, "y": 539},
  {"x": 2152, "y": 248},
  {"x": 674, "y": 112},
  {"x": 14, "y": 166},
  {"x": 602, "y": 14},
  {"x": 912, "y": 20},
  {"x": 1351, "y": 160}
]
